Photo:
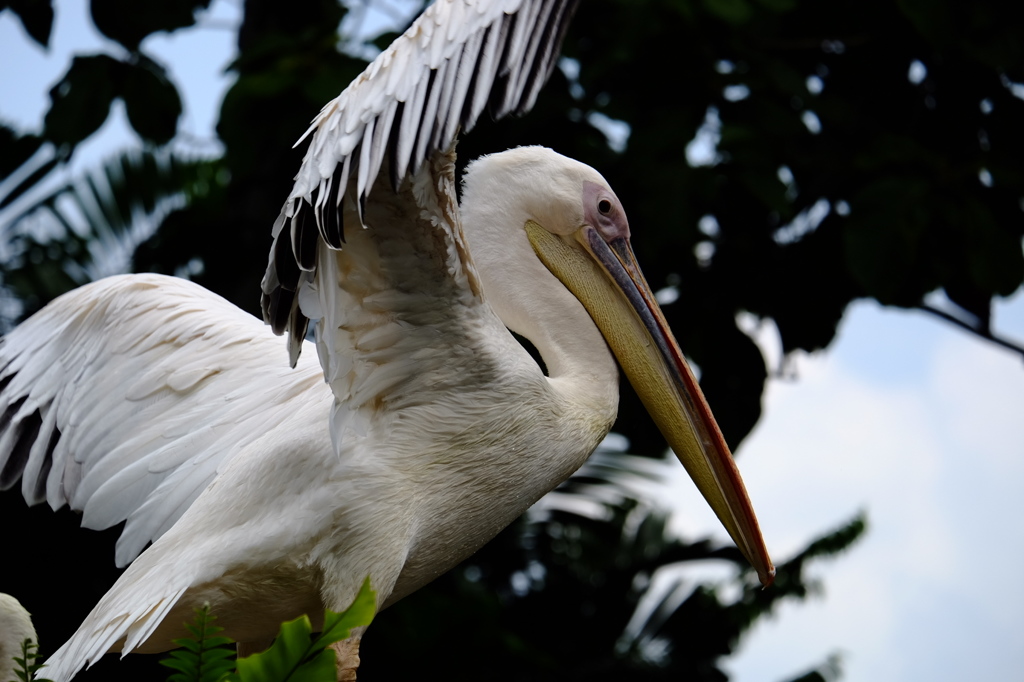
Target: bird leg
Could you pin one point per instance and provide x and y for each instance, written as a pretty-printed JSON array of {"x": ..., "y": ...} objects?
[{"x": 346, "y": 654}]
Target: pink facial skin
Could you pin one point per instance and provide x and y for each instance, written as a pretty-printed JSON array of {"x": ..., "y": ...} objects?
[{"x": 602, "y": 210}]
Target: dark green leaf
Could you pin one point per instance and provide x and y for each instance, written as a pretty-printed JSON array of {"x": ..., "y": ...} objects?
[
  {"x": 338, "y": 626},
  {"x": 152, "y": 101},
  {"x": 28, "y": 664},
  {"x": 779, "y": 6},
  {"x": 80, "y": 101},
  {"x": 933, "y": 18},
  {"x": 297, "y": 656},
  {"x": 15, "y": 149},
  {"x": 289, "y": 651},
  {"x": 36, "y": 16},
  {"x": 733, "y": 373},
  {"x": 384, "y": 39},
  {"x": 320, "y": 668},
  {"x": 203, "y": 657},
  {"x": 130, "y": 22},
  {"x": 847, "y": 62},
  {"x": 888, "y": 222},
  {"x": 733, "y": 11}
]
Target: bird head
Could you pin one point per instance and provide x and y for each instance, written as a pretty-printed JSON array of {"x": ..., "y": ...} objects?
[{"x": 578, "y": 229}]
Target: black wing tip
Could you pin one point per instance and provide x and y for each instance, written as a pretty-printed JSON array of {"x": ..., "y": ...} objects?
[
  {"x": 25, "y": 430},
  {"x": 513, "y": 90},
  {"x": 44, "y": 471},
  {"x": 277, "y": 306},
  {"x": 332, "y": 226}
]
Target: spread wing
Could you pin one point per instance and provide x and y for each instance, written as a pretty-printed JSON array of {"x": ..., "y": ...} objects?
[
  {"x": 459, "y": 58},
  {"x": 122, "y": 399}
]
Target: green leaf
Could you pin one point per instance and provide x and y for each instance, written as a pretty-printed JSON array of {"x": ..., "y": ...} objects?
[
  {"x": 152, "y": 101},
  {"x": 129, "y": 22},
  {"x": 202, "y": 658},
  {"x": 28, "y": 664},
  {"x": 297, "y": 656},
  {"x": 883, "y": 235},
  {"x": 734, "y": 373},
  {"x": 321, "y": 668},
  {"x": 732, "y": 11},
  {"x": 36, "y": 16},
  {"x": 779, "y": 6},
  {"x": 338, "y": 626},
  {"x": 994, "y": 257},
  {"x": 80, "y": 101},
  {"x": 933, "y": 18},
  {"x": 288, "y": 652}
]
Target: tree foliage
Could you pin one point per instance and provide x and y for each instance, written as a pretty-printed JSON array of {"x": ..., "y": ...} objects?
[
  {"x": 204, "y": 656},
  {"x": 296, "y": 655},
  {"x": 781, "y": 157},
  {"x": 92, "y": 225},
  {"x": 27, "y": 665},
  {"x": 861, "y": 150},
  {"x": 564, "y": 595},
  {"x": 300, "y": 655}
]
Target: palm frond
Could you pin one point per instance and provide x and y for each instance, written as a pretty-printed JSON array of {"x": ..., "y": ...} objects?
[{"x": 89, "y": 227}]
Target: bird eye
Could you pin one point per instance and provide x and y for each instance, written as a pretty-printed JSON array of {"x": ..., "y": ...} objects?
[{"x": 604, "y": 206}]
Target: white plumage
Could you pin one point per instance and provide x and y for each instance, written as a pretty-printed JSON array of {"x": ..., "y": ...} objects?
[
  {"x": 15, "y": 628},
  {"x": 424, "y": 429},
  {"x": 152, "y": 383},
  {"x": 458, "y": 58}
]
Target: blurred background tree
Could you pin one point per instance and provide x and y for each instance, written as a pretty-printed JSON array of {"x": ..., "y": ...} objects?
[{"x": 780, "y": 157}]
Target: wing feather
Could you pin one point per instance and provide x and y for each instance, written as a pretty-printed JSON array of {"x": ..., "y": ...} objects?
[
  {"x": 463, "y": 83},
  {"x": 458, "y": 58},
  {"x": 413, "y": 113},
  {"x": 365, "y": 164},
  {"x": 430, "y": 109},
  {"x": 124, "y": 397},
  {"x": 484, "y": 74}
]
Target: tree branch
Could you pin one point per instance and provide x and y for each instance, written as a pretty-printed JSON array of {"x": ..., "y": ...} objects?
[{"x": 985, "y": 334}]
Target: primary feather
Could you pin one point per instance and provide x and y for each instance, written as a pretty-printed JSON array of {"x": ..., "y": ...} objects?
[
  {"x": 458, "y": 58},
  {"x": 267, "y": 491}
]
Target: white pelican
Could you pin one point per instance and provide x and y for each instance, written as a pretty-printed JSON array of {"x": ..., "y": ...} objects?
[
  {"x": 425, "y": 428},
  {"x": 15, "y": 628}
]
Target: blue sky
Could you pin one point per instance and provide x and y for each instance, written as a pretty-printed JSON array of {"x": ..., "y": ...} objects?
[
  {"x": 919, "y": 425},
  {"x": 904, "y": 417}
]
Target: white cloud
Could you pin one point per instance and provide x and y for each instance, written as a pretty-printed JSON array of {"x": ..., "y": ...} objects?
[{"x": 934, "y": 456}]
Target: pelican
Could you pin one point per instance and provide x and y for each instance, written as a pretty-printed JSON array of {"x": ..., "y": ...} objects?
[
  {"x": 416, "y": 427},
  {"x": 15, "y": 628}
]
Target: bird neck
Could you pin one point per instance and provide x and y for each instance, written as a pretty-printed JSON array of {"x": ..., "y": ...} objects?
[{"x": 533, "y": 303}]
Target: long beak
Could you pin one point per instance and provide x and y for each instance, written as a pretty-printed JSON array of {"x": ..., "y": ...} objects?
[{"x": 607, "y": 281}]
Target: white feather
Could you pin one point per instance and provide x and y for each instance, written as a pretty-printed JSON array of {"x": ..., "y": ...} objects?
[
  {"x": 265, "y": 491},
  {"x": 15, "y": 627}
]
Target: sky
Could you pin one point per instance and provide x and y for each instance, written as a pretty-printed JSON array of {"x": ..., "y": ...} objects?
[
  {"x": 918, "y": 425},
  {"x": 904, "y": 417}
]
